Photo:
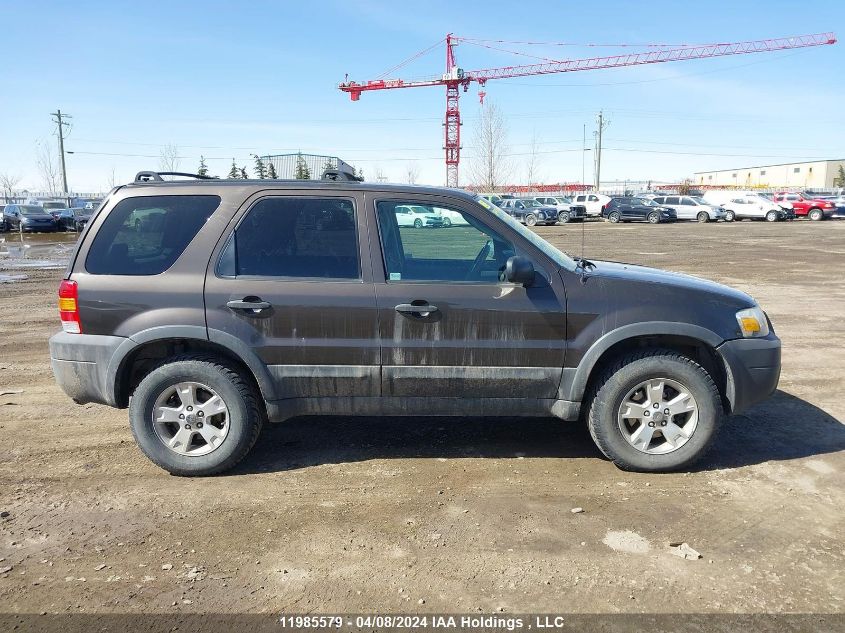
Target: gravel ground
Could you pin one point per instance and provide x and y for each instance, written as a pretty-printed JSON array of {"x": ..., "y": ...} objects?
[{"x": 434, "y": 515}]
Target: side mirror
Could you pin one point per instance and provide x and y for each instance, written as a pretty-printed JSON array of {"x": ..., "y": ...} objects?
[{"x": 519, "y": 270}]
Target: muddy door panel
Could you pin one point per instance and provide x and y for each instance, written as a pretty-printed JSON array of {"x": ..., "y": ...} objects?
[
  {"x": 288, "y": 284},
  {"x": 448, "y": 325}
]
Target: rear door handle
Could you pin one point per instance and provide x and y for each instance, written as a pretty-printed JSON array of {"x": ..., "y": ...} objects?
[
  {"x": 252, "y": 306},
  {"x": 419, "y": 309}
]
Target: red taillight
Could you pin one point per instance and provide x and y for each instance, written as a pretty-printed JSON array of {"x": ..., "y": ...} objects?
[{"x": 69, "y": 307}]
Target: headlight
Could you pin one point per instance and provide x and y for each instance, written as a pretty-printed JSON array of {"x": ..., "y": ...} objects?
[{"x": 752, "y": 322}]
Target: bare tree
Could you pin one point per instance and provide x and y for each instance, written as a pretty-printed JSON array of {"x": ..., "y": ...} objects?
[
  {"x": 412, "y": 170},
  {"x": 169, "y": 159},
  {"x": 489, "y": 167},
  {"x": 111, "y": 182},
  {"x": 9, "y": 181},
  {"x": 380, "y": 175},
  {"x": 48, "y": 166},
  {"x": 532, "y": 162}
]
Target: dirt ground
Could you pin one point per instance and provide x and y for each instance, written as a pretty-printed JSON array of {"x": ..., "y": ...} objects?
[{"x": 433, "y": 515}]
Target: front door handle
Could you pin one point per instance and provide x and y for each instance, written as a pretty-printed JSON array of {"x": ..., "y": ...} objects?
[
  {"x": 256, "y": 306},
  {"x": 418, "y": 308}
]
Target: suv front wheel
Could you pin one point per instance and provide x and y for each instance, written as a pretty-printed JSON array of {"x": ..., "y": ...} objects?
[
  {"x": 654, "y": 411},
  {"x": 195, "y": 416}
]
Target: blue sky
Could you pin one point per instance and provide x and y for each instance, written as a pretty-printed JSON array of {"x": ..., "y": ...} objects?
[{"x": 226, "y": 80}]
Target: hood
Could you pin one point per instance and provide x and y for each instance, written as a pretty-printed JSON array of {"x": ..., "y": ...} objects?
[{"x": 633, "y": 274}]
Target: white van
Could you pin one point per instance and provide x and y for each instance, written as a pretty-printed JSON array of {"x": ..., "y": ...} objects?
[{"x": 740, "y": 205}]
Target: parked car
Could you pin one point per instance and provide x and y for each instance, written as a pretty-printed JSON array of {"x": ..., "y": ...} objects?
[
  {"x": 28, "y": 219},
  {"x": 630, "y": 209},
  {"x": 417, "y": 216},
  {"x": 73, "y": 219},
  {"x": 529, "y": 211},
  {"x": 691, "y": 208},
  {"x": 493, "y": 197},
  {"x": 806, "y": 205},
  {"x": 226, "y": 328},
  {"x": 592, "y": 202},
  {"x": 567, "y": 211},
  {"x": 747, "y": 205}
]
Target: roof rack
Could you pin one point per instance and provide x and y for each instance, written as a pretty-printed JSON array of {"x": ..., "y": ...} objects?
[{"x": 156, "y": 176}]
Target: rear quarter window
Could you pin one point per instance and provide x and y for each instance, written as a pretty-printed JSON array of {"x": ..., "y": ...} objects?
[{"x": 145, "y": 235}]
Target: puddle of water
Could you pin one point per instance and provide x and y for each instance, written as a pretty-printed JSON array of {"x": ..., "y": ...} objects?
[
  {"x": 45, "y": 252},
  {"x": 8, "y": 279}
]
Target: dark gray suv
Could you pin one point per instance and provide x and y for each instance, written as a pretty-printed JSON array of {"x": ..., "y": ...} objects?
[{"x": 208, "y": 307}]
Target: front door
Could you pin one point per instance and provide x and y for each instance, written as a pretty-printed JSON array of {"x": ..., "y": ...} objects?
[
  {"x": 289, "y": 283},
  {"x": 449, "y": 327}
]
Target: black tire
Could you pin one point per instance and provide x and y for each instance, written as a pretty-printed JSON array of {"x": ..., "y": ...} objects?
[
  {"x": 417, "y": 223},
  {"x": 653, "y": 217},
  {"x": 530, "y": 219},
  {"x": 246, "y": 414},
  {"x": 772, "y": 216},
  {"x": 563, "y": 217},
  {"x": 617, "y": 380},
  {"x": 703, "y": 217},
  {"x": 815, "y": 215},
  {"x": 614, "y": 217},
  {"x": 730, "y": 216}
]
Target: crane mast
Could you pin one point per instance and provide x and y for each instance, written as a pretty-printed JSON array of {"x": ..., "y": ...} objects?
[{"x": 455, "y": 78}]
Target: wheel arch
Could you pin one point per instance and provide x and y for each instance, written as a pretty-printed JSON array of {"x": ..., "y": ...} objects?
[
  {"x": 141, "y": 352},
  {"x": 694, "y": 341}
]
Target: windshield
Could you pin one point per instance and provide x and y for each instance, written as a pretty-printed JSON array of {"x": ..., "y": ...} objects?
[
  {"x": 558, "y": 256},
  {"x": 564, "y": 200},
  {"x": 31, "y": 210}
]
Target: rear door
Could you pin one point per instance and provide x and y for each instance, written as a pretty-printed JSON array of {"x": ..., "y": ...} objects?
[
  {"x": 448, "y": 326},
  {"x": 293, "y": 282}
]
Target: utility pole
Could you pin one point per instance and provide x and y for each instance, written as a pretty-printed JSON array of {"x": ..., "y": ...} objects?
[
  {"x": 601, "y": 125},
  {"x": 60, "y": 123},
  {"x": 583, "y": 153}
]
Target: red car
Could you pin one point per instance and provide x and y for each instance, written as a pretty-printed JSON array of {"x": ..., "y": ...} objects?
[{"x": 804, "y": 204}]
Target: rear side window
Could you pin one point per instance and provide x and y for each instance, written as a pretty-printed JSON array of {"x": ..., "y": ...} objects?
[
  {"x": 147, "y": 234},
  {"x": 295, "y": 237}
]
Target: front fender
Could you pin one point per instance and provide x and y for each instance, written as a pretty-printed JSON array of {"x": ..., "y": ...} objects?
[{"x": 574, "y": 380}]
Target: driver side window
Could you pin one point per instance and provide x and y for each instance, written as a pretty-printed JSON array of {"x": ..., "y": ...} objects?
[{"x": 452, "y": 245}]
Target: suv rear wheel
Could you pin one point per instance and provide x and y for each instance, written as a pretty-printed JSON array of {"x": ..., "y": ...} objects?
[
  {"x": 614, "y": 216},
  {"x": 195, "y": 416},
  {"x": 654, "y": 411}
]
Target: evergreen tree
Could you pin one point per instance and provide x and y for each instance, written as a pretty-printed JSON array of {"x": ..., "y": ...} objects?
[
  {"x": 203, "y": 168},
  {"x": 302, "y": 172},
  {"x": 260, "y": 168},
  {"x": 243, "y": 174},
  {"x": 839, "y": 181},
  {"x": 359, "y": 173},
  {"x": 271, "y": 171},
  {"x": 233, "y": 172},
  {"x": 328, "y": 165}
]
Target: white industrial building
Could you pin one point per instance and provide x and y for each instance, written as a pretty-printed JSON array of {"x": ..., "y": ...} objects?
[{"x": 819, "y": 174}]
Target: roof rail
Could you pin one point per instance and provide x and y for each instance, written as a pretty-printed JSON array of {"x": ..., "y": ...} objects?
[
  {"x": 339, "y": 174},
  {"x": 156, "y": 176}
]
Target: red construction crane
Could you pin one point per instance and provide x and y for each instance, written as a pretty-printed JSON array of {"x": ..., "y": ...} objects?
[{"x": 456, "y": 77}]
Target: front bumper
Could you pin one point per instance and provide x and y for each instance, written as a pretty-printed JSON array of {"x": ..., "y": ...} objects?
[
  {"x": 81, "y": 366},
  {"x": 753, "y": 369}
]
